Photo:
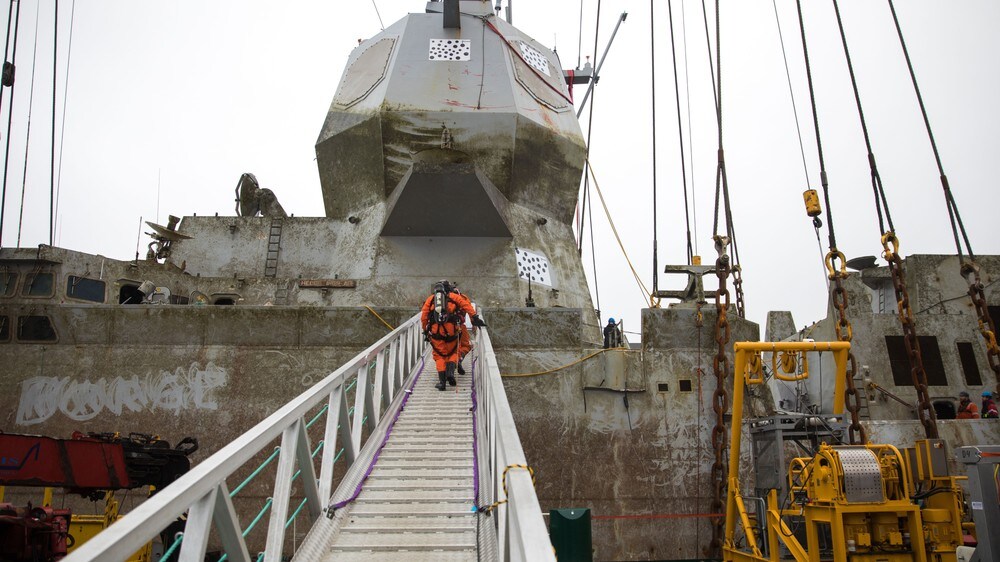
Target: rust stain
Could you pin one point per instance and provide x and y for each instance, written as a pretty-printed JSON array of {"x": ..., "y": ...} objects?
[{"x": 452, "y": 87}]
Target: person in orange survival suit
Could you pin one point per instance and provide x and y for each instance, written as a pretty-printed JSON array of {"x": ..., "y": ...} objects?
[
  {"x": 464, "y": 342},
  {"x": 440, "y": 317}
]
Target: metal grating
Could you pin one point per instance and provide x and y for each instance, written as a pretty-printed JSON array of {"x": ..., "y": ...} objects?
[{"x": 862, "y": 475}]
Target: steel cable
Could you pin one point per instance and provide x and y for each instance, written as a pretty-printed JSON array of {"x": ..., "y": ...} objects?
[
  {"x": 925, "y": 413},
  {"x": 680, "y": 137},
  {"x": 10, "y": 118}
]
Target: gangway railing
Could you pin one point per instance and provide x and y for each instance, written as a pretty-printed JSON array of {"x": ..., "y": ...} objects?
[
  {"x": 519, "y": 525},
  {"x": 378, "y": 376}
]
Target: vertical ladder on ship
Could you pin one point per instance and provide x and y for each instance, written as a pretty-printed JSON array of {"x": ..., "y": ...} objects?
[
  {"x": 273, "y": 248},
  {"x": 418, "y": 502},
  {"x": 864, "y": 412}
]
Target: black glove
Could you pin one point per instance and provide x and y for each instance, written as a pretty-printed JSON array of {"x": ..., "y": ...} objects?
[
  {"x": 427, "y": 336},
  {"x": 477, "y": 321}
]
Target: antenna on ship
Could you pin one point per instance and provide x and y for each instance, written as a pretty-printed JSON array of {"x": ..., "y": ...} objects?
[{"x": 138, "y": 238}]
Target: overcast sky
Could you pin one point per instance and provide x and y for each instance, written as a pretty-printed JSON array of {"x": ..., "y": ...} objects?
[{"x": 168, "y": 102}]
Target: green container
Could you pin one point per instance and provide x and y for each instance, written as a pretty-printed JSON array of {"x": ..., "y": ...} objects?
[{"x": 569, "y": 531}]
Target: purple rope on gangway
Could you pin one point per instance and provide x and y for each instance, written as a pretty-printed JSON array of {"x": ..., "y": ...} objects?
[
  {"x": 388, "y": 432},
  {"x": 475, "y": 449}
]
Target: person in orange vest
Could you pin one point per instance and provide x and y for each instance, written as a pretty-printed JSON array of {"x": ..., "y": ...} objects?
[
  {"x": 967, "y": 410},
  {"x": 440, "y": 318},
  {"x": 464, "y": 342}
]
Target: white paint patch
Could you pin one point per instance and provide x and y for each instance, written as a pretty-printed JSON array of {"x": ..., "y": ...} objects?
[{"x": 42, "y": 397}]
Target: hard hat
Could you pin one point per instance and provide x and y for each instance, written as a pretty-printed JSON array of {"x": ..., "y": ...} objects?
[
  {"x": 964, "y": 393},
  {"x": 611, "y": 320},
  {"x": 987, "y": 394}
]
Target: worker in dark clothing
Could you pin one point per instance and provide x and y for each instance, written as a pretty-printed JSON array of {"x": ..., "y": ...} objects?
[
  {"x": 440, "y": 317},
  {"x": 989, "y": 409},
  {"x": 612, "y": 335}
]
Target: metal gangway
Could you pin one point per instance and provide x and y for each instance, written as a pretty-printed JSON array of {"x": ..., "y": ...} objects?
[{"x": 423, "y": 474}]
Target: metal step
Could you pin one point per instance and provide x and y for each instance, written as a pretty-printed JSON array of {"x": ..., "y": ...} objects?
[
  {"x": 382, "y": 542},
  {"x": 418, "y": 500},
  {"x": 409, "y": 524},
  {"x": 403, "y": 556}
]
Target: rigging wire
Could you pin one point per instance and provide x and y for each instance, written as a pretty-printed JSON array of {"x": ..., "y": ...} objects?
[
  {"x": 52, "y": 158},
  {"x": 579, "y": 37},
  {"x": 819, "y": 141},
  {"x": 687, "y": 103},
  {"x": 382, "y": 25},
  {"x": 10, "y": 118},
  {"x": 652, "y": 75},
  {"x": 590, "y": 124},
  {"x": 6, "y": 49},
  {"x": 881, "y": 203},
  {"x": 791, "y": 96},
  {"x": 680, "y": 134},
  {"x": 27, "y": 135},
  {"x": 798, "y": 132},
  {"x": 62, "y": 132},
  {"x": 721, "y": 178},
  {"x": 711, "y": 59},
  {"x": 642, "y": 286},
  {"x": 953, "y": 215},
  {"x": 587, "y": 172}
]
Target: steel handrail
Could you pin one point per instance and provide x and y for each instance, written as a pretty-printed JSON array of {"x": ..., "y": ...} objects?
[
  {"x": 203, "y": 494},
  {"x": 520, "y": 528}
]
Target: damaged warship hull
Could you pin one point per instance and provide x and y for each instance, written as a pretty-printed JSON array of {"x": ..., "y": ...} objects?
[{"x": 431, "y": 171}]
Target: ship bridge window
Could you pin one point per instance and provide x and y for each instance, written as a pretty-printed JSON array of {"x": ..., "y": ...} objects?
[
  {"x": 900, "y": 362},
  {"x": 130, "y": 294},
  {"x": 8, "y": 283},
  {"x": 4, "y": 329},
  {"x": 38, "y": 285},
  {"x": 35, "y": 328},
  {"x": 967, "y": 354},
  {"x": 85, "y": 289}
]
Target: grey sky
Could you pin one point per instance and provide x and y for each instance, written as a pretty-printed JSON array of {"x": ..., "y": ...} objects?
[{"x": 188, "y": 95}]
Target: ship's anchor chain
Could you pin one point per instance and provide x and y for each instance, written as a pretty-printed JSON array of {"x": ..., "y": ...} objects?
[
  {"x": 720, "y": 400},
  {"x": 925, "y": 412},
  {"x": 844, "y": 333},
  {"x": 970, "y": 270}
]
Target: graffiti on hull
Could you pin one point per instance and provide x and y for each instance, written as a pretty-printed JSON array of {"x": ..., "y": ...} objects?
[{"x": 81, "y": 400}]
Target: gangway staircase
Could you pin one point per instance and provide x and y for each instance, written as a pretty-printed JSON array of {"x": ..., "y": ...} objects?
[{"x": 432, "y": 475}]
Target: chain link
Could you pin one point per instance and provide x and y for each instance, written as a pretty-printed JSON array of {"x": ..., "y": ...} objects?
[
  {"x": 838, "y": 294},
  {"x": 720, "y": 400},
  {"x": 925, "y": 412},
  {"x": 970, "y": 270},
  {"x": 738, "y": 285}
]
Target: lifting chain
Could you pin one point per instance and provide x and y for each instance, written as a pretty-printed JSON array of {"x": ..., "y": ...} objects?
[
  {"x": 838, "y": 294},
  {"x": 720, "y": 400},
  {"x": 925, "y": 412},
  {"x": 970, "y": 270},
  {"x": 738, "y": 285}
]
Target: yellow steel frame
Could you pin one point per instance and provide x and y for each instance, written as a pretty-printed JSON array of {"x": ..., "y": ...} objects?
[
  {"x": 830, "y": 507},
  {"x": 747, "y": 372}
]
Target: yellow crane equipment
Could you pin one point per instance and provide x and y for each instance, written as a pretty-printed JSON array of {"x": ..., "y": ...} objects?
[{"x": 857, "y": 503}]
